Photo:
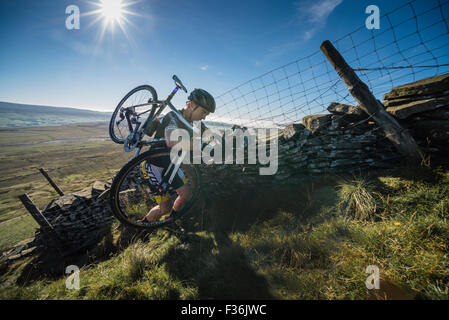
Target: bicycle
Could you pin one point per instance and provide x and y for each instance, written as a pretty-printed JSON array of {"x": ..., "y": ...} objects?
[{"x": 131, "y": 196}]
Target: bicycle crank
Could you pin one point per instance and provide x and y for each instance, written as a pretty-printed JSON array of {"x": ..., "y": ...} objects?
[{"x": 131, "y": 142}]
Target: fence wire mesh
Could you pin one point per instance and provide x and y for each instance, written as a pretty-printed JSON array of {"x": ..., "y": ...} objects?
[{"x": 411, "y": 44}]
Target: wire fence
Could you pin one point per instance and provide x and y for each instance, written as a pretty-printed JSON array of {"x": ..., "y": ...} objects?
[{"x": 412, "y": 43}]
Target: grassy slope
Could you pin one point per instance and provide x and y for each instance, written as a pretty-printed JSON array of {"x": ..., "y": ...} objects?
[{"x": 299, "y": 242}]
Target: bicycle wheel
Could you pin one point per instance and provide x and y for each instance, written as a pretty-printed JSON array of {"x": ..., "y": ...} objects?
[
  {"x": 120, "y": 125},
  {"x": 131, "y": 196}
]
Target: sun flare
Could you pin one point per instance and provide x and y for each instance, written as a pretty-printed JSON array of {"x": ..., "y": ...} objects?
[
  {"x": 112, "y": 10},
  {"x": 113, "y": 13}
]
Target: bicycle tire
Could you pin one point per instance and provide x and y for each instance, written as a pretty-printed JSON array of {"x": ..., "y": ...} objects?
[
  {"x": 128, "y": 167},
  {"x": 112, "y": 123}
]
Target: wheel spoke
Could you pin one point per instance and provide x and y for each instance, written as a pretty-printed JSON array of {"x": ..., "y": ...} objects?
[
  {"x": 133, "y": 196},
  {"x": 138, "y": 100}
]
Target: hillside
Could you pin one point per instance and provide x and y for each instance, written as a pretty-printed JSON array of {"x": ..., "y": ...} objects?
[
  {"x": 314, "y": 242},
  {"x": 24, "y": 115}
]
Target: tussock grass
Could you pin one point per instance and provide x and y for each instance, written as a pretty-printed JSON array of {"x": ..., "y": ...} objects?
[
  {"x": 135, "y": 260},
  {"x": 358, "y": 198}
]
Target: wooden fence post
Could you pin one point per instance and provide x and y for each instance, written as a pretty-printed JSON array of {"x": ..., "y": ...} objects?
[
  {"x": 50, "y": 180},
  {"x": 47, "y": 228},
  {"x": 404, "y": 143}
]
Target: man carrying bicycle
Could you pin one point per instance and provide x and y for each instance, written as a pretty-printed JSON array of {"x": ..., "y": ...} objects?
[{"x": 199, "y": 105}]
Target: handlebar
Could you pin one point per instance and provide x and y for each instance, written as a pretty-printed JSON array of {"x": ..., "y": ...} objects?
[
  {"x": 179, "y": 84},
  {"x": 167, "y": 102}
]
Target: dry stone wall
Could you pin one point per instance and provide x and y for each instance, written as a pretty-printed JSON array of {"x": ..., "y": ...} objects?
[
  {"x": 79, "y": 219},
  {"x": 422, "y": 107},
  {"x": 342, "y": 141},
  {"x": 75, "y": 221}
]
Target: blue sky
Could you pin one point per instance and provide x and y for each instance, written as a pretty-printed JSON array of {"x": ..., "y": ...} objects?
[{"x": 211, "y": 44}]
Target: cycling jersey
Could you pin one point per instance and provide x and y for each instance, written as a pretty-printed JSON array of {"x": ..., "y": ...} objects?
[
  {"x": 154, "y": 172},
  {"x": 169, "y": 122}
]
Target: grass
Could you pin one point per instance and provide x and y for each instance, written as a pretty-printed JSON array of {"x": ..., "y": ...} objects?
[
  {"x": 311, "y": 247},
  {"x": 17, "y": 229},
  {"x": 310, "y": 241},
  {"x": 336, "y": 251},
  {"x": 357, "y": 198}
]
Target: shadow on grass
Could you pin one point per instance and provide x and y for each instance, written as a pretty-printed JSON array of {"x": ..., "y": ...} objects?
[
  {"x": 237, "y": 210},
  {"x": 219, "y": 267}
]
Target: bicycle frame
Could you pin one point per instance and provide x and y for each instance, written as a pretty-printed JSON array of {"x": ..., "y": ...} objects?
[{"x": 139, "y": 133}]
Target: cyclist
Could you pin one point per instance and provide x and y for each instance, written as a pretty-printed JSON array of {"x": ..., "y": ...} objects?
[{"x": 199, "y": 105}]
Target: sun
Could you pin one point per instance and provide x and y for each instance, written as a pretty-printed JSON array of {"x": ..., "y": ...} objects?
[
  {"x": 112, "y": 13},
  {"x": 112, "y": 10}
]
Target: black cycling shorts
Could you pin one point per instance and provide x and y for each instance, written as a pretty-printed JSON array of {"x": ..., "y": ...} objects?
[{"x": 154, "y": 172}]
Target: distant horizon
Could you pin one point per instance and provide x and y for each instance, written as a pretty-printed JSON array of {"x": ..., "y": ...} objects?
[
  {"x": 213, "y": 120},
  {"x": 51, "y": 106}
]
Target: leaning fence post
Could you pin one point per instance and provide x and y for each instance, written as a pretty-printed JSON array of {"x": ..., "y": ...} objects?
[
  {"x": 50, "y": 180},
  {"x": 47, "y": 228},
  {"x": 404, "y": 143}
]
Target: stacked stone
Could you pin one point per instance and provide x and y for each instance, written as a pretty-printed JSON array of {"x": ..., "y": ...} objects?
[
  {"x": 423, "y": 108},
  {"x": 341, "y": 141},
  {"x": 217, "y": 176},
  {"x": 81, "y": 218},
  {"x": 22, "y": 249}
]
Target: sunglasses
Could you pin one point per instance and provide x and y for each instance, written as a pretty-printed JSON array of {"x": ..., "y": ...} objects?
[{"x": 204, "y": 111}]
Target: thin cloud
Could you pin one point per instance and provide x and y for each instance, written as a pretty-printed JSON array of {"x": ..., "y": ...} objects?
[
  {"x": 205, "y": 67},
  {"x": 319, "y": 11},
  {"x": 75, "y": 45},
  {"x": 313, "y": 14}
]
